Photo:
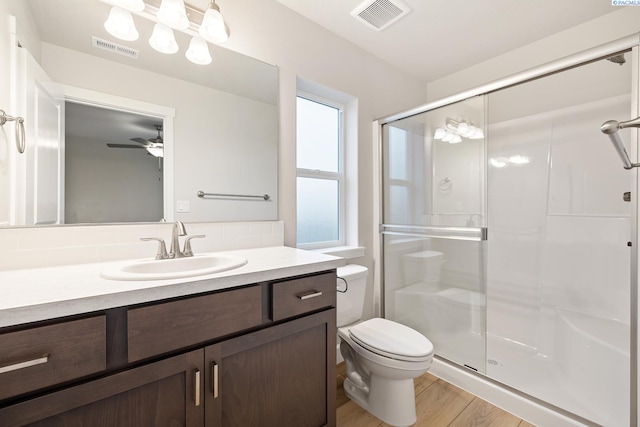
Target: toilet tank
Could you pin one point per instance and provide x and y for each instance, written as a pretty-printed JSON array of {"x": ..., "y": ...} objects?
[{"x": 351, "y": 302}]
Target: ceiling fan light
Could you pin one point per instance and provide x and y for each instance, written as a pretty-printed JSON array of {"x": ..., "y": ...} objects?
[
  {"x": 155, "y": 151},
  {"x": 198, "y": 51},
  {"x": 213, "y": 28},
  {"x": 163, "y": 39},
  {"x": 173, "y": 14},
  {"x": 439, "y": 133},
  {"x": 120, "y": 24},
  {"x": 131, "y": 5}
]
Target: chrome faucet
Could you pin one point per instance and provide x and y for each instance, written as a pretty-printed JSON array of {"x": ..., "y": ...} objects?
[
  {"x": 175, "y": 252},
  {"x": 178, "y": 230}
]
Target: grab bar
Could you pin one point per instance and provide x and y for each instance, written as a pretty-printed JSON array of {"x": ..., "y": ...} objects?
[
  {"x": 20, "y": 139},
  {"x": 202, "y": 194}
]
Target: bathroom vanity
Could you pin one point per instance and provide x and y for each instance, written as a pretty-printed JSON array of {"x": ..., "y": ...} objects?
[{"x": 250, "y": 346}]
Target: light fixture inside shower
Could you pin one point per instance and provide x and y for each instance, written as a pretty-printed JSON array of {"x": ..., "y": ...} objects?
[
  {"x": 203, "y": 26},
  {"x": 456, "y": 130}
]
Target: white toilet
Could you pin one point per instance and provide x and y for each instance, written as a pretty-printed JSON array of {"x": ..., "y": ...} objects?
[{"x": 382, "y": 357}]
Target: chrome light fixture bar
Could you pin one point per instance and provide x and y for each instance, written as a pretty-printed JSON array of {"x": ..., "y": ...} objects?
[
  {"x": 611, "y": 128},
  {"x": 203, "y": 26}
]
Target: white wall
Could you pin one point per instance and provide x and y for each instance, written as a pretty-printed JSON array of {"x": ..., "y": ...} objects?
[
  {"x": 622, "y": 22},
  {"x": 269, "y": 31}
]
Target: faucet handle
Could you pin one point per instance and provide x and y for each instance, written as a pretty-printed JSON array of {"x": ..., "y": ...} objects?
[
  {"x": 187, "y": 244},
  {"x": 162, "y": 247}
]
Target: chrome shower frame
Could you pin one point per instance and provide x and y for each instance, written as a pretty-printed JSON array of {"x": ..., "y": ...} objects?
[{"x": 627, "y": 44}]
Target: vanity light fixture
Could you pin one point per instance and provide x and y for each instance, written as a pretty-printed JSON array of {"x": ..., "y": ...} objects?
[
  {"x": 213, "y": 28},
  {"x": 120, "y": 24},
  {"x": 464, "y": 129},
  {"x": 162, "y": 39},
  {"x": 198, "y": 51},
  {"x": 173, "y": 14},
  {"x": 456, "y": 130},
  {"x": 203, "y": 26}
]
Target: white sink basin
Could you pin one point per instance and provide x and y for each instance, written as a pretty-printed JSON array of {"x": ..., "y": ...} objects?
[{"x": 198, "y": 265}]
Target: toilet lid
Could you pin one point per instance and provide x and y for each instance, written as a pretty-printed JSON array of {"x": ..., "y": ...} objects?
[{"x": 392, "y": 340}]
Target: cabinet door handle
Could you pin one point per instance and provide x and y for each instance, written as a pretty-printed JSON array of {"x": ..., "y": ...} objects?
[
  {"x": 196, "y": 379},
  {"x": 312, "y": 294},
  {"x": 214, "y": 379},
  {"x": 25, "y": 364}
]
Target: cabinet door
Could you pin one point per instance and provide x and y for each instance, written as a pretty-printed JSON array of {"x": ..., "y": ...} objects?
[
  {"x": 281, "y": 376},
  {"x": 164, "y": 393}
]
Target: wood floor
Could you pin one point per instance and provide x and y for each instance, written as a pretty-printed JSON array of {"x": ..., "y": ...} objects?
[{"x": 438, "y": 404}]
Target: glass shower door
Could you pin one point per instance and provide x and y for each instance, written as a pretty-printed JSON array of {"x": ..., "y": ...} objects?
[
  {"x": 558, "y": 310},
  {"x": 434, "y": 228}
]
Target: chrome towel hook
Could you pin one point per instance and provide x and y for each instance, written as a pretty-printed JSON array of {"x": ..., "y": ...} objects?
[{"x": 20, "y": 138}]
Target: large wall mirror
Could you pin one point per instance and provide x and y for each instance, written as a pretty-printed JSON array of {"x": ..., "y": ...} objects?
[{"x": 216, "y": 126}]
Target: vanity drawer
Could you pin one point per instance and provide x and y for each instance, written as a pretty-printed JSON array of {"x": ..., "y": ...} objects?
[
  {"x": 161, "y": 328},
  {"x": 44, "y": 356},
  {"x": 298, "y": 296}
]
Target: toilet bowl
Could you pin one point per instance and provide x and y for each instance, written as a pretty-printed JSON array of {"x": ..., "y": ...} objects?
[{"x": 382, "y": 357}]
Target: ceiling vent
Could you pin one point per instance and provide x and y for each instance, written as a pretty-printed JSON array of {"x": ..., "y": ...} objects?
[
  {"x": 379, "y": 14},
  {"x": 114, "y": 47}
]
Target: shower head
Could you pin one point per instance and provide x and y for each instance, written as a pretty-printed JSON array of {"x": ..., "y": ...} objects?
[{"x": 611, "y": 128}]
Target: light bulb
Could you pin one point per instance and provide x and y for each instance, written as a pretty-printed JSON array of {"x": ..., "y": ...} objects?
[
  {"x": 462, "y": 128},
  {"x": 132, "y": 5},
  {"x": 212, "y": 28},
  {"x": 498, "y": 162},
  {"x": 163, "y": 39},
  {"x": 448, "y": 136},
  {"x": 173, "y": 14},
  {"x": 198, "y": 51},
  {"x": 120, "y": 24},
  {"x": 456, "y": 139},
  {"x": 439, "y": 133},
  {"x": 518, "y": 159},
  {"x": 477, "y": 134}
]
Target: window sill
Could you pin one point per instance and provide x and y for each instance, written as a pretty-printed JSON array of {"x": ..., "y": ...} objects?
[{"x": 347, "y": 252}]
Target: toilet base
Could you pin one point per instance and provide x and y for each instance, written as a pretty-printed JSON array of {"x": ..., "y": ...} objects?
[{"x": 392, "y": 401}]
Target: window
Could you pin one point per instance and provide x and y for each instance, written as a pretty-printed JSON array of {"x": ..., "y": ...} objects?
[{"x": 320, "y": 173}]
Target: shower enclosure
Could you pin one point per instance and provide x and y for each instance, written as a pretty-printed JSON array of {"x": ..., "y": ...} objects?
[{"x": 507, "y": 235}]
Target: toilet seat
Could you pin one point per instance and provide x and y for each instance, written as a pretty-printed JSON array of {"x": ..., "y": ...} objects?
[{"x": 392, "y": 340}]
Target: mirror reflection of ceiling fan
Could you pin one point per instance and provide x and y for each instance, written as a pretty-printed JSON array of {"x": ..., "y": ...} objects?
[{"x": 154, "y": 146}]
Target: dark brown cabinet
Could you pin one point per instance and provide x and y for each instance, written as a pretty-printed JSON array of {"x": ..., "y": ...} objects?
[
  {"x": 281, "y": 376},
  {"x": 218, "y": 360},
  {"x": 158, "y": 394}
]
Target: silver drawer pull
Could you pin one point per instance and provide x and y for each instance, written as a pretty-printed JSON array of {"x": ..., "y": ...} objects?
[
  {"x": 26, "y": 364},
  {"x": 214, "y": 379},
  {"x": 313, "y": 294},
  {"x": 196, "y": 380}
]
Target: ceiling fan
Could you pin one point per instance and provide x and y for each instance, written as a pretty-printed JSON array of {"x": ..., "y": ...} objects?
[{"x": 155, "y": 146}]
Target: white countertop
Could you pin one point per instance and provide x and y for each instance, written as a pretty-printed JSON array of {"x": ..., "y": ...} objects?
[{"x": 44, "y": 293}]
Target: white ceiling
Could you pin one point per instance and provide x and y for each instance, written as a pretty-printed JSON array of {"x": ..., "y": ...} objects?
[{"x": 440, "y": 37}]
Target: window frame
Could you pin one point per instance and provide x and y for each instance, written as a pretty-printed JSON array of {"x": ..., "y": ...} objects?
[{"x": 339, "y": 176}]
